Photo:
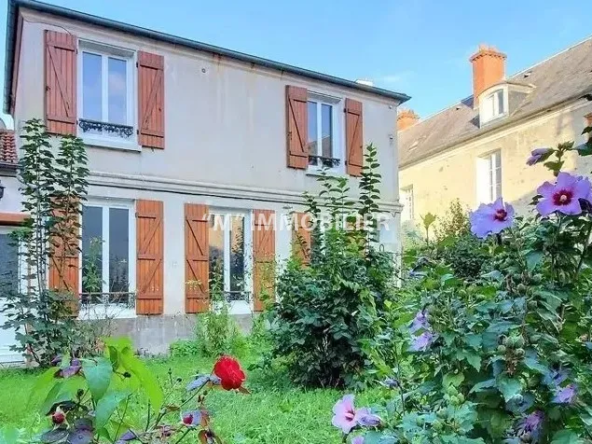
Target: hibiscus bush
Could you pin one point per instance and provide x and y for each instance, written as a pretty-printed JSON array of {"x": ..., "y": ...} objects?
[
  {"x": 90, "y": 400},
  {"x": 506, "y": 357}
]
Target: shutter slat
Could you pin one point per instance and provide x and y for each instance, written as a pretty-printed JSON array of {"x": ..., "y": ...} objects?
[
  {"x": 150, "y": 257},
  {"x": 60, "y": 82},
  {"x": 196, "y": 258},
  {"x": 354, "y": 125},
  {"x": 297, "y": 126},
  {"x": 151, "y": 100},
  {"x": 263, "y": 256}
]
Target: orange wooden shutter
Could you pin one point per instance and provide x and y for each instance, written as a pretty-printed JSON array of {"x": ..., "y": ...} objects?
[
  {"x": 150, "y": 263},
  {"x": 263, "y": 256},
  {"x": 297, "y": 126},
  {"x": 197, "y": 267},
  {"x": 354, "y": 137},
  {"x": 151, "y": 100},
  {"x": 301, "y": 237},
  {"x": 60, "y": 82},
  {"x": 64, "y": 266}
]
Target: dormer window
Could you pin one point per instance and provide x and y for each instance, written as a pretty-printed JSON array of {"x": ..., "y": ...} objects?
[{"x": 493, "y": 106}]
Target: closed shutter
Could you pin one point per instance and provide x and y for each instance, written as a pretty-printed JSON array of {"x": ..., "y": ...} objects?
[
  {"x": 297, "y": 126},
  {"x": 354, "y": 137},
  {"x": 301, "y": 236},
  {"x": 64, "y": 263},
  {"x": 150, "y": 260},
  {"x": 60, "y": 82},
  {"x": 196, "y": 258},
  {"x": 151, "y": 100},
  {"x": 263, "y": 257}
]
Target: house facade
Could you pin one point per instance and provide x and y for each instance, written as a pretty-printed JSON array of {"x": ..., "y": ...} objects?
[
  {"x": 197, "y": 156},
  {"x": 476, "y": 150}
]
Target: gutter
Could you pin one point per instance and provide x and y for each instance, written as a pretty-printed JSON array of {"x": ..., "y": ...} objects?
[
  {"x": 501, "y": 125},
  {"x": 71, "y": 14}
]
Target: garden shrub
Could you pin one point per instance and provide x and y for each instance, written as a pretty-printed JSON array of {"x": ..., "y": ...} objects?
[
  {"x": 508, "y": 357},
  {"x": 327, "y": 317}
]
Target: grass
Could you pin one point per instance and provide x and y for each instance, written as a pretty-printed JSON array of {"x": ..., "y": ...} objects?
[{"x": 269, "y": 415}]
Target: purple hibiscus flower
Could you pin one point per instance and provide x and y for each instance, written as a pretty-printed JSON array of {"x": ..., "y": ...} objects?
[
  {"x": 563, "y": 196},
  {"x": 72, "y": 370},
  {"x": 566, "y": 395},
  {"x": 491, "y": 218},
  {"x": 191, "y": 419},
  {"x": 367, "y": 419},
  {"x": 358, "y": 440},
  {"x": 538, "y": 154},
  {"x": 420, "y": 322},
  {"x": 345, "y": 415},
  {"x": 127, "y": 437},
  {"x": 531, "y": 426},
  {"x": 423, "y": 341}
]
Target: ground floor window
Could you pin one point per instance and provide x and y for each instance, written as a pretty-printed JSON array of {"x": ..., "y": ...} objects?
[
  {"x": 9, "y": 277},
  {"x": 230, "y": 254},
  {"x": 108, "y": 262}
]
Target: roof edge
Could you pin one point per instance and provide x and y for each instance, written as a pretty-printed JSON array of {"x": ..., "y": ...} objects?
[{"x": 14, "y": 5}]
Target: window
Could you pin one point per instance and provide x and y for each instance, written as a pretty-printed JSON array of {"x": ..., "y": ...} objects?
[
  {"x": 489, "y": 177},
  {"x": 323, "y": 130},
  {"x": 493, "y": 106},
  {"x": 106, "y": 92},
  {"x": 229, "y": 243},
  {"x": 407, "y": 201},
  {"x": 108, "y": 265},
  {"x": 9, "y": 277}
]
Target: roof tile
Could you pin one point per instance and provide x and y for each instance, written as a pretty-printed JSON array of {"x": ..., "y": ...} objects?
[{"x": 8, "y": 147}]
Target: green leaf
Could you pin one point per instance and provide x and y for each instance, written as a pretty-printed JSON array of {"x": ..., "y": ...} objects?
[
  {"x": 42, "y": 382},
  {"x": 532, "y": 363},
  {"x": 474, "y": 360},
  {"x": 98, "y": 376},
  {"x": 107, "y": 405},
  {"x": 566, "y": 437},
  {"x": 147, "y": 380},
  {"x": 55, "y": 395},
  {"x": 9, "y": 435},
  {"x": 473, "y": 340},
  {"x": 533, "y": 259},
  {"x": 451, "y": 379},
  {"x": 483, "y": 385},
  {"x": 509, "y": 387}
]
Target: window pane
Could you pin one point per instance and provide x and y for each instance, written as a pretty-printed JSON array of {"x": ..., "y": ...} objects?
[
  {"x": 8, "y": 265},
  {"x": 117, "y": 91},
  {"x": 237, "y": 253},
  {"x": 216, "y": 239},
  {"x": 312, "y": 129},
  {"x": 327, "y": 130},
  {"x": 92, "y": 86},
  {"x": 500, "y": 102},
  {"x": 118, "y": 250},
  {"x": 498, "y": 174},
  {"x": 92, "y": 249}
]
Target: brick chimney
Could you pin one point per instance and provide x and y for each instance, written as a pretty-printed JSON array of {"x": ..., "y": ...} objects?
[
  {"x": 489, "y": 67},
  {"x": 406, "y": 118}
]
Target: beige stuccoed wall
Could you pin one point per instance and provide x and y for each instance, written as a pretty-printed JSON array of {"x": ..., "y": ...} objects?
[
  {"x": 225, "y": 121},
  {"x": 439, "y": 180}
]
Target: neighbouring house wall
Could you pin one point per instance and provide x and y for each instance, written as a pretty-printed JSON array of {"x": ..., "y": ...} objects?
[
  {"x": 11, "y": 202},
  {"x": 452, "y": 175},
  {"x": 225, "y": 121}
]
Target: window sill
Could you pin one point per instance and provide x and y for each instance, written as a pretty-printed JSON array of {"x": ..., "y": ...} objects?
[
  {"x": 92, "y": 312},
  {"x": 317, "y": 172},
  {"x": 115, "y": 144}
]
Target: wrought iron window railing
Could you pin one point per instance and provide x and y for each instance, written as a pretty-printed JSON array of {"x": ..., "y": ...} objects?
[
  {"x": 322, "y": 161},
  {"x": 124, "y": 131},
  {"x": 120, "y": 299}
]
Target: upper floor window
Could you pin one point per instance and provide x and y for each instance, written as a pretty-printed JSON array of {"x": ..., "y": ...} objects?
[
  {"x": 407, "y": 201},
  {"x": 489, "y": 177},
  {"x": 492, "y": 106},
  {"x": 323, "y": 132},
  {"x": 107, "y": 96}
]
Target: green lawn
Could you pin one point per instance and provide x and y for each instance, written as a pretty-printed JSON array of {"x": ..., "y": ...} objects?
[{"x": 268, "y": 415}]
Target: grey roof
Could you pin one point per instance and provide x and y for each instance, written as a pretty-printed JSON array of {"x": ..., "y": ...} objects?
[
  {"x": 562, "y": 78},
  {"x": 11, "y": 16}
]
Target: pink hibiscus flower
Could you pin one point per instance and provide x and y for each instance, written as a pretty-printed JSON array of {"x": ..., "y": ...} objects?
[{"x": 563, "y": 196}]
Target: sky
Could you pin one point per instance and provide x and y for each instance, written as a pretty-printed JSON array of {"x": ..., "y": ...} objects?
[{"x": 417, "y": 47}]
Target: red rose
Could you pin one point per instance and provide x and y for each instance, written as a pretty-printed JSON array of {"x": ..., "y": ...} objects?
[{"x": 230, "y": 373}]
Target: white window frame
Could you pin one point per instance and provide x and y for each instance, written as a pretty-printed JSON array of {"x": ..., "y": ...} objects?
[
  {"x": 129, "y": 56},
  {"x": 337, "y": 130},
  {"x": 408, "y": 202},
  {"x": 237, "y": 307},
  {"x": 490, "y": 111},
  {"x": 487, "y": 166},
  {"x": 99, "y": 311}
]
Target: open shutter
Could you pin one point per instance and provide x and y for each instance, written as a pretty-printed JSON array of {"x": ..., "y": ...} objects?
[
  {"x": 64, "y": 263},
  {"x": 150, "y": 263},
  {"x": 60, "y": 82},
  {"x": 301, "y": 236},
  {"x": 151, "y": 100},
  {"x": 297, "y": 126},
  {"x": 196, "y": 258},
  {"x": 354, "y": 137},
  {"x": 263, "y": 257}
]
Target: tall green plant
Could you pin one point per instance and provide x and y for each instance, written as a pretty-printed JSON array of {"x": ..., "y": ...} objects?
[{"x": 53, "y": 185}]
